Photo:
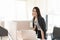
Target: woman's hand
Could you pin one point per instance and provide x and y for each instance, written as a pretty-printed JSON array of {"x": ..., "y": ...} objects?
[
  {"x": 34, "y": 28},
  {"x": 42, "y": 39}
]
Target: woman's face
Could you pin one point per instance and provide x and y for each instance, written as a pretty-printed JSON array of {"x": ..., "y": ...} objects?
[{"x": 34, "y": 13}]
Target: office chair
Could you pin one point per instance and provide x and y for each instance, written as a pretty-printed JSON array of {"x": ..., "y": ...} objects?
[
  {"x": 3, "y": 32},
  {"x": 56, "y": 33}
]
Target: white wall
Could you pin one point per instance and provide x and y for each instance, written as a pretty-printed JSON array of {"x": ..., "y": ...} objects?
[
  {"x": 53, "y": 7},
  {"x": 7, "y": 10},
  {"x": 21, "y": 10},
  {"x": 53, "y": 11},
  {"x": 3, "y": 9}
]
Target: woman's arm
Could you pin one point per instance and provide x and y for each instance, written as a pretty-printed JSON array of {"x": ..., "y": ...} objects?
[{"x": 42, "y": 34}]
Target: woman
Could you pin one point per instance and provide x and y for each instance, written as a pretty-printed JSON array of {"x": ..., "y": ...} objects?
[{"x": 38, "y": 23}]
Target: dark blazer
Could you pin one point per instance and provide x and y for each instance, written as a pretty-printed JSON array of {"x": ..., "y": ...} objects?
[{"x": 42, "y": 24}]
